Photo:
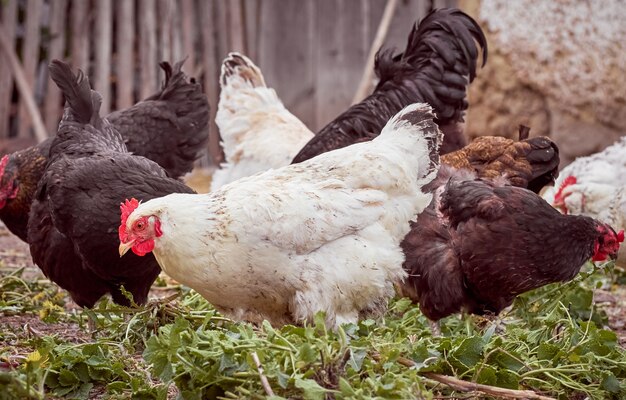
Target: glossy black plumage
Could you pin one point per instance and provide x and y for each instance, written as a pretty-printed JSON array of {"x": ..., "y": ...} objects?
[
  {"x": 436, "y": 67},
  {"x": 484, "y": 243},
  {"x": 72, "y": 229},
  {"x": 169, "y": 127}
]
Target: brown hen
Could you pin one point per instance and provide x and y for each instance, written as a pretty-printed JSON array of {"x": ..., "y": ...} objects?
[{"x": 531, "y": 163}]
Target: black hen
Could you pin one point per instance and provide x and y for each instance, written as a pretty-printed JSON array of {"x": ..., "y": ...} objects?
[
  {"x": 437, "y": 65},
  {"x": 169, "y": 127},
  {"x": 72, "y": 228}
]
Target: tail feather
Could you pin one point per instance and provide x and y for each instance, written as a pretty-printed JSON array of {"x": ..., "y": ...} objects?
[
  {"x": 417, "y": 119},
  {"x": 445, "y": 31},
  {"x": 441, "y": 34},
  {"x": 84, "y": 103},
  {"x": 176, "y": 86},
  {"x": 238, "y": 65},
  {"x": 544, "y": 160}
]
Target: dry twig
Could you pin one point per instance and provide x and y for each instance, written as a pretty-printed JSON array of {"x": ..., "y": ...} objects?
[
  {"x": 464, "y": 386},
  {"x": 264, "y": 381}
]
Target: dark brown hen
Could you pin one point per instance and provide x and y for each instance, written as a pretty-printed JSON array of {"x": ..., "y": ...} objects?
[
  {"x": 437, "y": 65},
  {"x": 481, "y": 243},
  {"x": 169, "y": 127},
  {"x": 72, "y": 229}
]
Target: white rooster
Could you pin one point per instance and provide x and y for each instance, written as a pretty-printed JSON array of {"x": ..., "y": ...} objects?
[
  {"x": 323, "y": 235},
  {"x": 595, "y": 186},
  {"x": 258, "y": 132}
]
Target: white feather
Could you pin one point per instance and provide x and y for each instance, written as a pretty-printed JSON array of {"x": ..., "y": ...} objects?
[
  {"x": 258, "y": 132},
  {"x": 323, "y": 235}
]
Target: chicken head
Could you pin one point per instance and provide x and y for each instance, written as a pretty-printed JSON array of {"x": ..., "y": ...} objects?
[
  {"x": 137, "y": 234},
  {"x": 607, "y": 244}
]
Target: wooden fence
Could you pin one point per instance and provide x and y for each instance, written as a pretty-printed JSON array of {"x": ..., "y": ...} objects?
[{"x": 311, "y": 51}]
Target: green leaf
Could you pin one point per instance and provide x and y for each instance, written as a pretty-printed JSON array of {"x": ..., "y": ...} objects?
[
  {"x": 283, "y": 379},
  {"x": 487, "y": 376},
  {"x": 307, "y": 354},
  {"x": 345, "y": 387},
  {"x": 82, "y": 392},
  {"x": 312, "y": 390},
  {"x": 509, "y": 361},
  {"x": 68, "y": 378},
  {"x": 610, "y": 384},
  {"x": 469, "y": 352},
  {"x": 507, "y": 379},
  {"x": 356, "y": 359},
  {"x": 117, "y": 387},
  {"x": 547, "y": 351}
]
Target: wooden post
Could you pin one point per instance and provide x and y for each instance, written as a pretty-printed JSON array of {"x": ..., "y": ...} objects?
[
  {"x": 287, "y": 53},
  {"x": 30, "y": 59},
  {"x": 236, "y": 28},
  {"x": 368, "y": 71},
  {"x": 252, "y": 19},
  {"x": 80, "y": 35},
  {"x": 147, "y": 48},
  {"x": 53, "y": 105},
  {"x": 211, "y": 84},
  {"x": 165, "y": 18},
  {"x": 125, "y": 38},
  {"x": 187, "y": 19},
  {"x": 25, "y": 90},
  {"x": 9, "y": 19},
  {"x": 102, "y": 38}
]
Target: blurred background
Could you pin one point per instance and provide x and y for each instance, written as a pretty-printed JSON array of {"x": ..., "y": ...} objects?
[{"x": 556, "y": 66}]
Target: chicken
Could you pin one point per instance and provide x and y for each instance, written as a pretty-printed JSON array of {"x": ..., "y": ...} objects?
[
  {"x": 437, "y": 65},
  {"x": 258, "y": 132},
  {"x": 19, "y": 174},
  {"x": 531, "y": 163},
  {"x": 72, "y": 226},
  {"x": 483, "y": 242},
  {"x": 169, "y": 128},
  {"x": 284, "y": 244},
  {"x": 595, "y": 186}
]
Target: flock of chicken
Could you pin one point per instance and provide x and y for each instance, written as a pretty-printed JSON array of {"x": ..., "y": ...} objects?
[{"x": 386, "y": 199}]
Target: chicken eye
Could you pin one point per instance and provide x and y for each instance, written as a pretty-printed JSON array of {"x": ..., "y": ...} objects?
[{"x": 140, "y": 225}]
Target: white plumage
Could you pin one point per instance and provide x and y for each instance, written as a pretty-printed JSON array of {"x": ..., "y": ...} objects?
[
  {"x": 258, "y": 132},
  {"x": 322, "y": 235},
  {"x": 599, "y": 190}
]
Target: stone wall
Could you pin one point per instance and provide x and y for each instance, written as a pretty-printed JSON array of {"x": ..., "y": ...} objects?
[{"x": 556, "y": 66}]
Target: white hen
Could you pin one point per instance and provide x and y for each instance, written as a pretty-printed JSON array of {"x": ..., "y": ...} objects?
[
  {"x": 595, "y": 186},
  {"x": 322, "y": 235},
  {"x": 258, "y": 132}
]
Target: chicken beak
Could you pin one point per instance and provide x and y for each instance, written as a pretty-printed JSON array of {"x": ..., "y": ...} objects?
[{"x": 124, "y": 247}]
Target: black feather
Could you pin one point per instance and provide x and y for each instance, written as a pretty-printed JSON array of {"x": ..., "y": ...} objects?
[{"x": 437, "y": 64}]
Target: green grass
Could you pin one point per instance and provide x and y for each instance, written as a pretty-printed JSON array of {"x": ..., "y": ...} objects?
[{"x": 551, "y": 342}]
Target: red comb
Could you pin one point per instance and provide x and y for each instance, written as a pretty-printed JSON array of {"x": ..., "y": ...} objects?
[
  {"x": 620, "y": 236},
  {"x": 570, "y": 180},
  {"x": 3, "y": 164},
  {"x": 127, "y": 207}
]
